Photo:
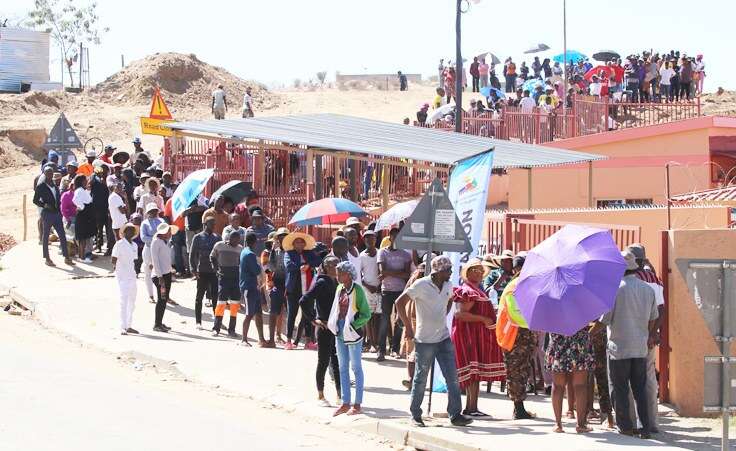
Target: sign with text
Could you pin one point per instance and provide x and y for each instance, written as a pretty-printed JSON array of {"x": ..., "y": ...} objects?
[{"x": 155, "y": 123}]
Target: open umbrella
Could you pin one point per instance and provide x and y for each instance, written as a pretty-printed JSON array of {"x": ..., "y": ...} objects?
[
  {"x": 486, "y": 92},
  {"x": 531, "y": 85},
  {"x": 489, "y": 57},
  {"x": 235, "y": 190},
  {"x": 605, "y": 55},
  {"x": 188, "y": 190},
  {"x": 573, "y": 56},
  {"x": 331, "y": 210},
  {"x": 608, "y": 70},
  {"x": 395, "y": 214},
  {"x": 569, "y": 279},
  {"x": 537, "y": 48},
  {"x": 440, "y": 112}
]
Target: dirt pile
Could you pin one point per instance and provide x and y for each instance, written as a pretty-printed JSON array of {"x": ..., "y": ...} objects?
[
  {"x": 184, "y": 80},
  {"x": 719, "y": 103},
  {"x": 6, "y": 242},
  {"x": 35, "y": 102}
]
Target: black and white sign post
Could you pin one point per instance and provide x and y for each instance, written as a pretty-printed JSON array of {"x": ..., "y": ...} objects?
[
  {"x": 712, "y": 284},
  {"x": 433, "y": 227}
]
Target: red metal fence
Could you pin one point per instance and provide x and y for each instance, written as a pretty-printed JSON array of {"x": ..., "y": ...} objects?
[{"x": 523, "y": 232}]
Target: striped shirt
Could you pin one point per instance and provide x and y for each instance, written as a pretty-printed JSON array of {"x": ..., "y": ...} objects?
[{"x": 226, "y": 259}]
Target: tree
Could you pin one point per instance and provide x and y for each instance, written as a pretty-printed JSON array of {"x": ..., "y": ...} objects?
[
  {"x": 69, "y": 25},
  {"x": 321, "y": 77}
]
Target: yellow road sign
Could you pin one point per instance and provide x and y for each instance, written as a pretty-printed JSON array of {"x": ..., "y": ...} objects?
[
  {"x": 159, "y": 110},
  {"x": 151, "y": 126}
]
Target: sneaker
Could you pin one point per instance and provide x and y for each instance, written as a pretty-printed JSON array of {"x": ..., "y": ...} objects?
[
  {"x": 199, "y": 326},
  {"x": 122, "y": 332},
  {"x": 418, "y": 422},
  {"x": 289, "y": 346},
  {"x": 132, "y": 331},
  {"x": 380, "y": 358},
  {"x": 324, "y": 403},
  {"x": 215, "y": 333},
  {"x": 87, "y": 260},
  {"x": 461, "y": 420},
  {"x": 159, "y": 329},
  {"x": 165, "y": 326},
  {"x": 311, "y": 346}
]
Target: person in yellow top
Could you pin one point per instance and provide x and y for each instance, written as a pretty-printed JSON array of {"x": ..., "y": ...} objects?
[
  {"x": 439, "y": 99},
  {"x": 549, "y": 92},
  {"x": 87, "y": 169},
  {"x": 518, "y": 344}
]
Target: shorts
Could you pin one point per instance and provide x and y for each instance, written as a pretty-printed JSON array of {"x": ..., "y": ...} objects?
[
  {"x": 278, "y": 300},
  {"x": 374, "y": 301},
  {"x": 252, "y": 302},
  {"x": 228, "y": 289},
  {"x": 219, "y": 113}
]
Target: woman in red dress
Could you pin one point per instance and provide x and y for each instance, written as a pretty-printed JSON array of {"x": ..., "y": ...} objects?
[{"x": 477, "y": 354}]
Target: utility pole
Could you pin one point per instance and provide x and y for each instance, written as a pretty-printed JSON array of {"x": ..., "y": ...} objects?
[
  {"x": 564, "y": 55},
  {"x": 458, "y": 71}
]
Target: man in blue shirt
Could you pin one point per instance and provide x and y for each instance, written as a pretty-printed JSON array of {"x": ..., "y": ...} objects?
[{"x": 249, "y": 272}]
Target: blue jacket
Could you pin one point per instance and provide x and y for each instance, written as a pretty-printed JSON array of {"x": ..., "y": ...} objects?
[
  {"x": 249, "y": 270},
  {"x": 293, "y": 262}
]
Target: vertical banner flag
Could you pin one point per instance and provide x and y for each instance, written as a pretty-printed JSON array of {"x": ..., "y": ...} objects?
[{"x": 468, "y": 192}]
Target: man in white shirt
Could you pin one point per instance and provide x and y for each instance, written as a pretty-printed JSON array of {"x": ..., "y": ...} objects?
[
  {"x": 595, "y": 86},
  {"x": 124, "y": 254},
  {"x": 118, "y": 212},
  {"x": 247, "y": 104},
  {"x": 219, "y": 102},
  {"x": 372, "y": 285},
  {"x": 527, "y": 103}
]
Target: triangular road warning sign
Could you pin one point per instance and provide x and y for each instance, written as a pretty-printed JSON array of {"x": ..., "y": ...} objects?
[
  {"x": 159, "y": 110},
  {"x": 62, "y": 136},
  {"x": 434, "y": 223}
]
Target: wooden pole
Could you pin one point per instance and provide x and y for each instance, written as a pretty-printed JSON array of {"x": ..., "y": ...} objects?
[{"x": 25, "y": 219}]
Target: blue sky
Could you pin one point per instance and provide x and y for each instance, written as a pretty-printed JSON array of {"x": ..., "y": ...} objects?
[{"x": 276, "y": 41}]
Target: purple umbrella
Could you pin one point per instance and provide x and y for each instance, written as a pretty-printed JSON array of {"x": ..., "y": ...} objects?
[{"x": 569, "y": 279}]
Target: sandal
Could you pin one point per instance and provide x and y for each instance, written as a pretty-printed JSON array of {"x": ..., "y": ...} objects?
[
  {"x": 558, "y": 429},
  {"x": 342, "y": 409},
  {"x": 355, "y": 410},
  {"x": 583, "y": 429}
]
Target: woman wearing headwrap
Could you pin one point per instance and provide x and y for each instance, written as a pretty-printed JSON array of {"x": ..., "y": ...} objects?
[{"x": 350, "y": 312}]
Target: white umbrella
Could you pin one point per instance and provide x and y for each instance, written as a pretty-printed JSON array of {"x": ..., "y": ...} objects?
[
  {"x": 395, "y": 214},
  {"x": 440, "y": 112}
]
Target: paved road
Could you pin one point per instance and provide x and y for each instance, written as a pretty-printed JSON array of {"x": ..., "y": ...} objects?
[{"x": 57, "y": 394}]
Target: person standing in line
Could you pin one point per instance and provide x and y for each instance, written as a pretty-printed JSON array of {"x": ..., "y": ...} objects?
[
  {"x": 118, "y": 212},
  {"x": 518, "y": 343},
  {"x": 394, "y": 266},
  {"x": 100, "y": 195},
  {"x": 599, "y": 341},
  {"x": 148, "y": 234},
  {"x": 372, "y": 285},
  {"x": 432, "y": 296},
  {"x": 646, "y": 273},
  {"x": 234, "y": 227},
  {"x": 225, "y": 259},
  {"x": 665, "y": 74},
  {"x": 247, "y": 103},
  {"x": 260, "y": 229},
  {"x": 161, "y": 269},
  {"x": 87, "y": 168},
  {"x": 631, "y": 326},
  {"x": 193, "y": 220},
  {"x": 509, "y": 71},
  {"x": 478, "y": 356},
  {"x": 322, "y": 295},
  {"x": 219, "y": 103},
  {"x": 250, "y": 272},
  {"x": 84, "y": 225},
  {"x": 353, "y": 254},
  {"x": 278, "y": 292},
  {"x": 151, "y": 196},
  {"x": 348, "y": 316},
  {"x": 699, "y": 68},
  {"x": 483, "y": 73},
  {"x": 407, "y": 344},
  {"x": 202, "y": 270},
  {"x": 300, "y": 261},
  {"x": 124, "y": 254},
  {"x": 686, "y": 77},
  {"x": 47, "y": 197},
  {"x": 475, "y": 73}
]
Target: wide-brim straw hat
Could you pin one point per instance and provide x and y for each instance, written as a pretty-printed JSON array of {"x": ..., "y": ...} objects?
[
  {"x": 351, "y": 221},
  {"x": 491, "y": 260},
  {"x": 473, "y": 262},
  {"x": 128, "y": 226},
  {"x": 288, "y": 243},
  {"x": 164, "y": 228},
  {"x": 282, "y": 231}
]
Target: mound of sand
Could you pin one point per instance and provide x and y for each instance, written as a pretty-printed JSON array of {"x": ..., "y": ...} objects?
[
  {"x": 184, "y": 80},
  {"x": 719, "y": 103},
  {"x": 32, "y": 102}
]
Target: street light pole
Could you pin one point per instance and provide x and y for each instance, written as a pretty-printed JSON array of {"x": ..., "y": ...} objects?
[
  {"x": 458, "y": 71},
  {"x": 564, "y": 63}
]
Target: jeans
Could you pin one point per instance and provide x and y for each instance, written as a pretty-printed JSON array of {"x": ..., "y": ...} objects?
[
  {"x": 426, "y": 353},
  {"x": 625, "y": 373},
  {"x": 476, "y": 82},
  {"x": 348, "y": 355},
  {"x": 53, "y": 219},
  {"x": 664, "y": 92},
  {"x": 388, "y": 299},
  {"x": 161, "y": 282},
  {"x": 327, "y": 357},
  {"x": 510, "y": 83},
  {"x": 206, "y": 283}
]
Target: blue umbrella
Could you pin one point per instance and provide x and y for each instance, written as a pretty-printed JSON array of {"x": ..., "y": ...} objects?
[
  {"x": 188, "y": 190},
  {"x": 531, "y": 85},
  {"x": 573, "y": 56},
  {"x": 486, "y": 92}
]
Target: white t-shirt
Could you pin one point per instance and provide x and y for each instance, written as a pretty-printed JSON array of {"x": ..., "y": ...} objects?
[
  {"x": 431, "y": 304},
  {"x": 125, "y": 253},
  {"x": 369, "y": 265},
  {"x": 218, "y": 96},
  {"x": 666, "y": 74},
  {"x": 81, "y": 198},
  {"x": 595, "y": 89},
  {"x": 527, "y": 104},
  {"x": 114, "y": 202},
  {"x": 357, "y": 262}
]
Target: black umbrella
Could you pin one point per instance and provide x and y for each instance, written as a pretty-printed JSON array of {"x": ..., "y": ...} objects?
[
  {"x": 606, "y": 55},
  {"x": 537, "y": 48}
]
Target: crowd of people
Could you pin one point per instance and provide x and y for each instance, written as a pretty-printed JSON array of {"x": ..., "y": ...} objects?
[
  {"x": 638, "y": 78},
  {"x": 358, "y": 294}
]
